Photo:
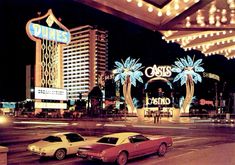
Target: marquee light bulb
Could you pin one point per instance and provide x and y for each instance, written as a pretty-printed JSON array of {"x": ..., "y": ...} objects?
[
  {"x": 159, "y": 13},
  {"x": 176, "y": 6},
  {"x": 168, "y": 13},
  {"x": 140, "y": 4},
  {"x": 150, "y": 8}
]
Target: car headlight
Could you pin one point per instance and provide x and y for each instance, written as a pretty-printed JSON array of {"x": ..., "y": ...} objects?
[{"x": 31, "y": 147}]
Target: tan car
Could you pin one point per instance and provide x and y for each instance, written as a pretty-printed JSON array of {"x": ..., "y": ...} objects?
[
  {"x": 119, "y": 147},
  {"x": 58, "y": 145}
]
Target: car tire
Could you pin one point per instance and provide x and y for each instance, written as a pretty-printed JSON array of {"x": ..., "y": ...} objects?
[
  {"x": 162, "y": 149},
  {"x": 122, "y": 158},
  {"x": 60, "y": 154}
]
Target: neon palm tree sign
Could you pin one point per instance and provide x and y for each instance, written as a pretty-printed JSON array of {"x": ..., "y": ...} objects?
[
  {"x": 187, "y": 74},
  {"x": 128, "y": 72}
]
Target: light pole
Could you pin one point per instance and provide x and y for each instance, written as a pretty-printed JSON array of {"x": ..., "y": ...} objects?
[{"x": 216, "y": 98}]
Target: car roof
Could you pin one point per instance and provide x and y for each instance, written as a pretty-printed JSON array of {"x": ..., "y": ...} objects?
[{"x": 122, "y": 134}]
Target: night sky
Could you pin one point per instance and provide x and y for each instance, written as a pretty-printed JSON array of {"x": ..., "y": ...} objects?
[{"x": 125, "y": 39}]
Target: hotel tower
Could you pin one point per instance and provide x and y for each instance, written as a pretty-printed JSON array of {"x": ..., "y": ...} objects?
[{"x": 84, "y": 59}]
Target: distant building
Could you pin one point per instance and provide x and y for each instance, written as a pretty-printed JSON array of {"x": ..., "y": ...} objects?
[
  {"x": 84, "y": 59},
  {"x": 29, "y": 82}
]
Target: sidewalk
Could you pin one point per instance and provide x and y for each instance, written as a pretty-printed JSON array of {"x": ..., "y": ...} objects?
[{"x": 166, "y": 120}]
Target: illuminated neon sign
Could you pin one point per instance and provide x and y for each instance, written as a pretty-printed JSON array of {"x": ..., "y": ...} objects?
[
  {"x": 50, "y": 93},
  {"x": 50, "y": 105},
  {"x": 212, "y": 76},
  {"x": 8, "y": 104},
  {"x": 159, "y": 101},
  {"x": 206, "y": 102},
  {"x": 48, "y": 33},
  {"x": 158, "y": 71},
  {"x": 37, "y": 32}
]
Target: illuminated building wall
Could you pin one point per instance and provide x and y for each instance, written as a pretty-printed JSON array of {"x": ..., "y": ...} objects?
[{"x": 83, "y": 59}]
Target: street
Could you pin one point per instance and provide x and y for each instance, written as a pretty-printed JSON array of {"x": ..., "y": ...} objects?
[{"x": 190, "y": 141}]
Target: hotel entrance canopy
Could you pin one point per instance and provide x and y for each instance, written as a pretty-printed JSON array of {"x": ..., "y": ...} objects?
[{"x": 204, "y": 25}]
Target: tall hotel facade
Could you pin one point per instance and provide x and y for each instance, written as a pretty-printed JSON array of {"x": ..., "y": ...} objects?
[{"x": 84, "y": 59}]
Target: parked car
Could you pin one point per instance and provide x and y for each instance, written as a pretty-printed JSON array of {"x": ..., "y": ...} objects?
[
  {"x": 120, "y": 147},
  {"x": 57, "y": 145}
]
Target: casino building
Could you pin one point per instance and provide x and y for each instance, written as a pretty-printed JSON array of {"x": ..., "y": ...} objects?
[{"x": 84, "y": 59}]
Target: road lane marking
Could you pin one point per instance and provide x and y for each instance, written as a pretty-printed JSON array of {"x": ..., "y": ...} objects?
[
  {"x": 171, "y": 158},
  {"x": 40, "y": 122},
  {"x": 114, "y": 125},
  {"x": 98, "y": 125},
  {"x": 151, "y": 126},
  {"x": 186, "y": 140},
  {"x": 140, "y": 126},
  {"x": 179, "y": 137}
]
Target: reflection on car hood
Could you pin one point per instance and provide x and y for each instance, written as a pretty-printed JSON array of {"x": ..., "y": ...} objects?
[
  {"x": 97, "y": 147},
  {"x": 42, "y": 143}
]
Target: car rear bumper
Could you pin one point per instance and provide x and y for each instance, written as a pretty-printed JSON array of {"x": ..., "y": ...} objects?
[
  {"x": 39, "y": 153},
  {"x": 89, "y": 157}
]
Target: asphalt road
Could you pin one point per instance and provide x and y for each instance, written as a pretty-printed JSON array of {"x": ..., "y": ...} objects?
[{"x": 194, "y": 143}]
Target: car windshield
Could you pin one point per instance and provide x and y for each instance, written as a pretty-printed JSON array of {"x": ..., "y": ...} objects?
[
  {"x": 108, "y": 140},
  {"x": 52, "y": 139}
]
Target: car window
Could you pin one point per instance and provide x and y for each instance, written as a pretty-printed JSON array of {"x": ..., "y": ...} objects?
[
  {"x": 52, "y": 139},
  {"x": 72, "y": 137},
  {"x": 108, "y": 140},
  {"x": 138, "y": 138}
]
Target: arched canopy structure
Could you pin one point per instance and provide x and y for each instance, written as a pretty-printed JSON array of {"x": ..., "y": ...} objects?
[
  {"x": 204, "y": 25},
  {"x": 158, "y": 78}
]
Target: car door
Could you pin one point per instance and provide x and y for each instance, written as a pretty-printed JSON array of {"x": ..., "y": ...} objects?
[
  {"x": 74, "y": 141},
  {"x": 139, "y": 144}
]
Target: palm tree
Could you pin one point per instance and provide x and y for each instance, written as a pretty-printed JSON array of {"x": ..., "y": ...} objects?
[
  {"x": 187, "y": 74},
  {"x": 128, "y": 72}
]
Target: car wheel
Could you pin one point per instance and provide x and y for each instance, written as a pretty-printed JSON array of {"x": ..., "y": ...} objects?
[
  {"x": 60, "y": 154},
  {"x": 122, "y": 158},
  {"x": 162, "y": 149}
]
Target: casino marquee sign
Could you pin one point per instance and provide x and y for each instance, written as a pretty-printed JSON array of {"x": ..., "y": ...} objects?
[{"x": 45, "y": 31}]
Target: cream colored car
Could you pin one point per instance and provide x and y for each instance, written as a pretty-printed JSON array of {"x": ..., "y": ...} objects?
[{"x": 57, "y": 145}]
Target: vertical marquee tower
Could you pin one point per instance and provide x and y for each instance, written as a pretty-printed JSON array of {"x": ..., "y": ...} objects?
[{"x": 50, "y": 37}]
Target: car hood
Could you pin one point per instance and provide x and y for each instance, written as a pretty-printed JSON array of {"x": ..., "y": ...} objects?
[
  {"x": 41, "y": 144},
  {"x": 98, "y": 147}
]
